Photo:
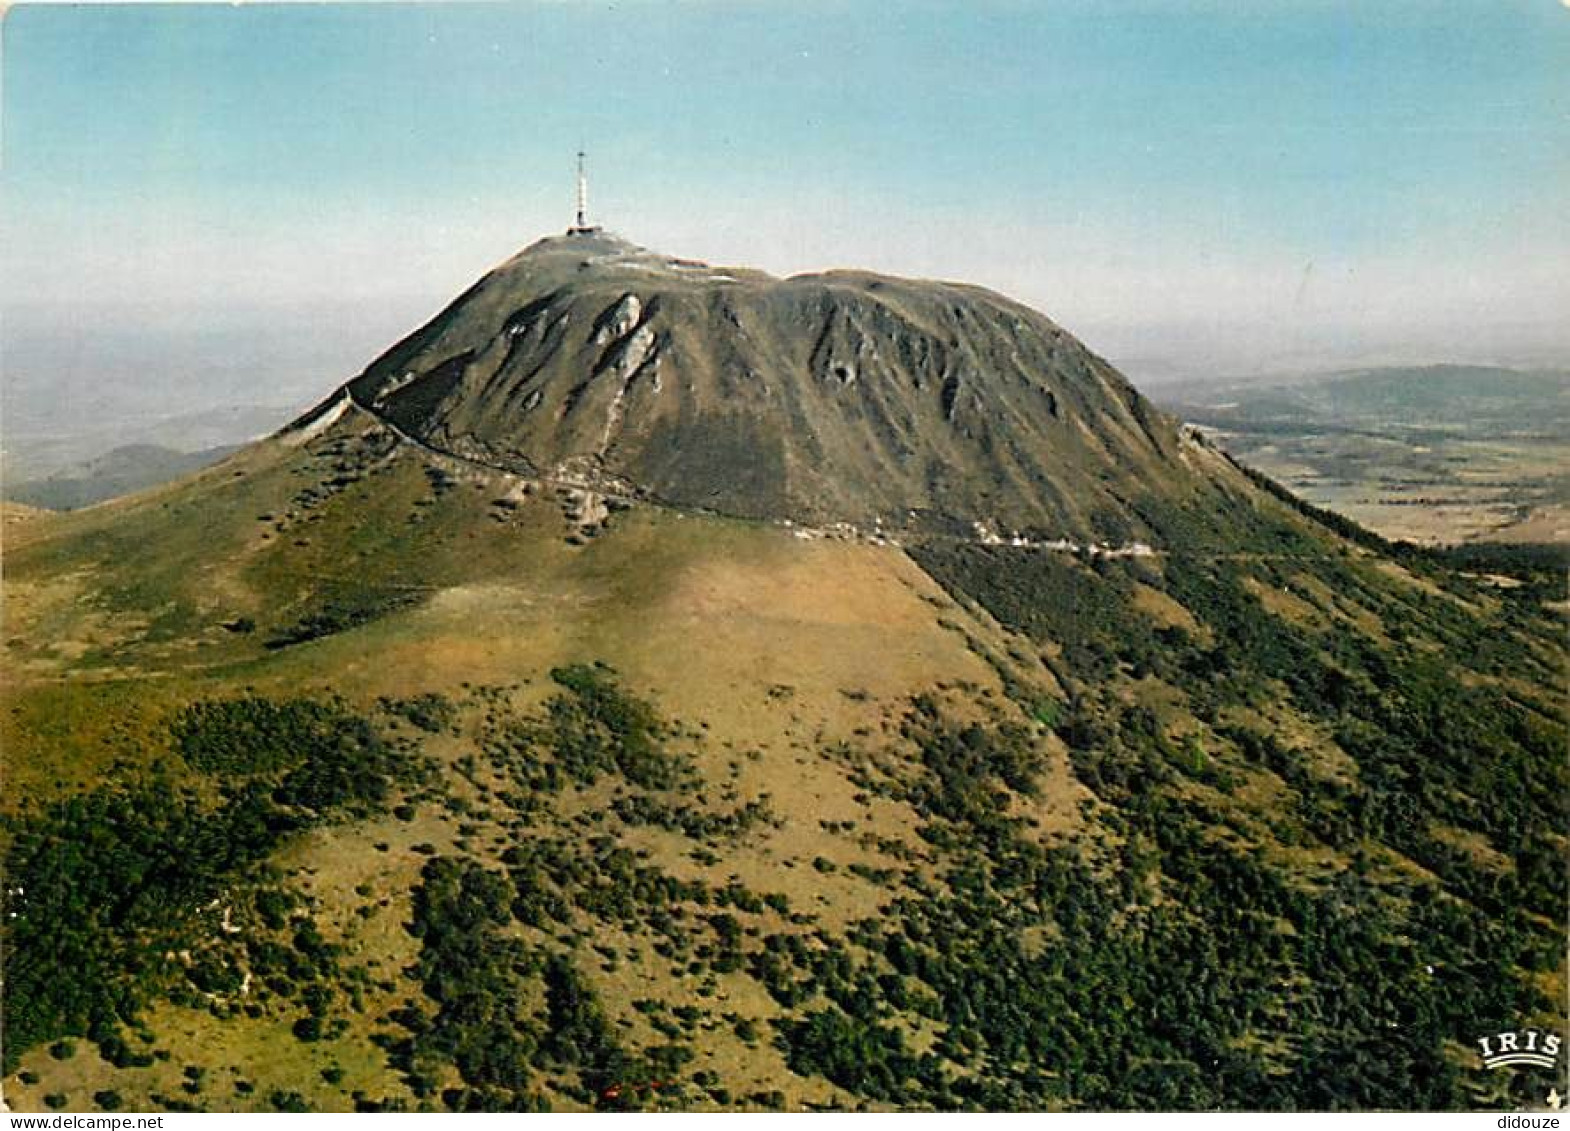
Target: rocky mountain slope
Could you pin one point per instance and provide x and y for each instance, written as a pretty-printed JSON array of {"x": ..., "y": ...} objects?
[
  {"x": 548, "y": 720},
  {"x": 838, "y": 397}
]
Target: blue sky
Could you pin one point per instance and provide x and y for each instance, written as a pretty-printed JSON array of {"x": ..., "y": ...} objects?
[{"x": 1255, "y": 182}]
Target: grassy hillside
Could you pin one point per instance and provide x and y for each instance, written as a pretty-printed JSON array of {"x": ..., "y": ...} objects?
[{"x": 347, "y": 776}]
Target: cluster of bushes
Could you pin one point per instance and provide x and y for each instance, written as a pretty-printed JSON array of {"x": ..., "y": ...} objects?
[
  {"x": 862, "y": 1057},
  {"x": 590, "y": 728},
  {"x": 594, "y": 728},
  {"x": 1539, "y": 567},
  {"x": 691, "y": 821},
  {"x": 431, "y": 711},
  {"x": 105, "y": 884},
  {"x": 253, "y": 735},
  {"x": 474, "y": 974},
  {"x": 1084, "y": 605},
  {"x": 481, "y": 979},
  {"x": 340, "y": 613},
  {"x": 969, "y": 768},
  {"x": 554, "y": 876}
]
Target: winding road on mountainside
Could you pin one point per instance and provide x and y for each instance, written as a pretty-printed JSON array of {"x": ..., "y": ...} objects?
[{"x": 850, "y": 533}]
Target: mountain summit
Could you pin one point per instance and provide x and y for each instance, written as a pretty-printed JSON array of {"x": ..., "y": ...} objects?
[{"x": 843, "y": 396}]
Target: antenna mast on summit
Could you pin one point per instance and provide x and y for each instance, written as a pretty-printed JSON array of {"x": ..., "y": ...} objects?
[
  {"x": 583, "y": 193},
  {"x": 582, "y": 227}
]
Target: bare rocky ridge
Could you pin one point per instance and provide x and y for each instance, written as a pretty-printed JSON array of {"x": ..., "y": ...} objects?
[{"x": 839, "y": 397}]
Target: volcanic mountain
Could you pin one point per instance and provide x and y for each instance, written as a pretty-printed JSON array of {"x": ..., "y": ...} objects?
[
  {"x": 837, "y": 397},
  {"x": 652, "y": 685}
]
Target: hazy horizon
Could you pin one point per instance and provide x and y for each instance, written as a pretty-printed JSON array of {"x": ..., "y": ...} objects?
[{"x": 207, "y": 205}]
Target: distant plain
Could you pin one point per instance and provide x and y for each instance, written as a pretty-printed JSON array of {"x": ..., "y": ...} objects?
[{"x": 1436, "y": 454}]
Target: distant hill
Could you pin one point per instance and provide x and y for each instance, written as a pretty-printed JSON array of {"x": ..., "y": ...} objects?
[
  {"x": 1531, "y": 401},
  {"x": 1442, "y": 453},
  {"x": 62, "y": 443},
  {"x": 133, "y": 467},
  {"x": 1474, "y": 397}
]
